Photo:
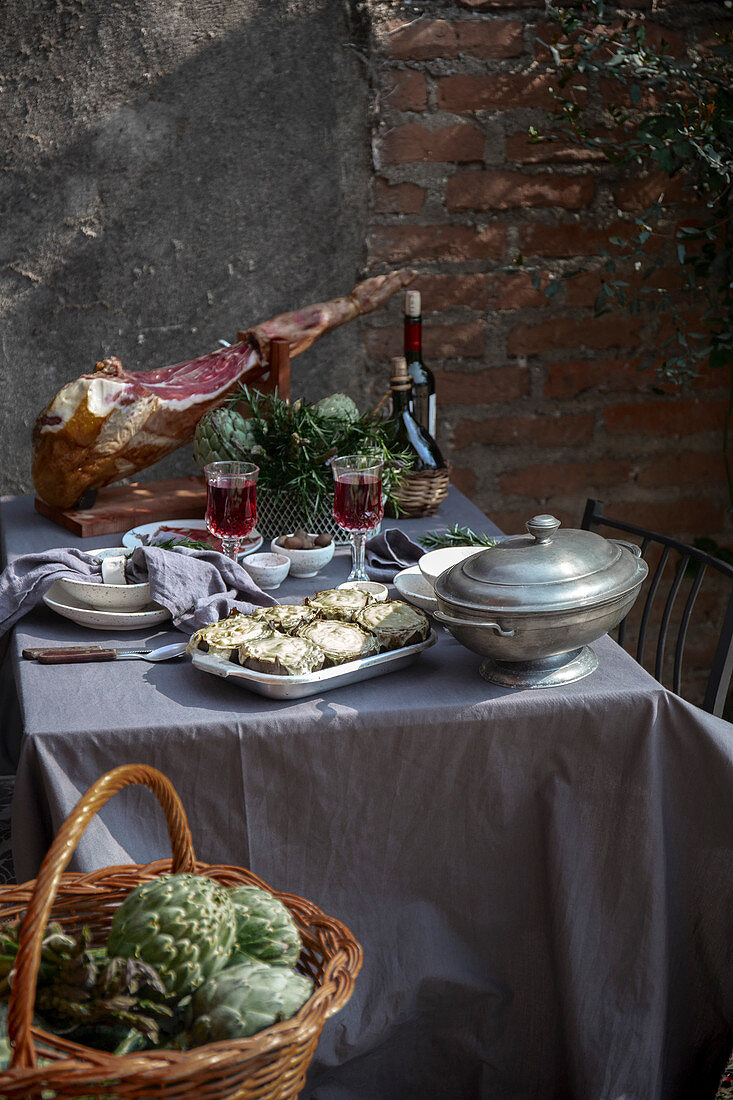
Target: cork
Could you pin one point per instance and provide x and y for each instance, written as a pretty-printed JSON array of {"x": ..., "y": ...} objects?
[{"x": 412, "y": 303}]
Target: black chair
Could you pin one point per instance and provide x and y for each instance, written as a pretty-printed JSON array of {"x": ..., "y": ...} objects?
[{"x": 676, "y": 570}]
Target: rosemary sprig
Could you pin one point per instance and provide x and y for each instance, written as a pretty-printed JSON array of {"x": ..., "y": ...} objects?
[
  {"x": 295, "y": 444},
  {"x": 457, "y": 536},
  {"x": 192, "y": 544}
]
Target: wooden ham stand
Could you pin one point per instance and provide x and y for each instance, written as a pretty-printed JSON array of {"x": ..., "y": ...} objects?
[{"x": 119, "y": 507}]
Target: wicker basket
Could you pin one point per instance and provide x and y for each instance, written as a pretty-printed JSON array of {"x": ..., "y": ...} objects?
[
  {"x": 421, "y": 492},
  {"x": 270, "y": 1065}
]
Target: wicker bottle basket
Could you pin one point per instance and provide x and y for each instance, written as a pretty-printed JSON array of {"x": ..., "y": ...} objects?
[
  {"x": 270, "y": 1065},
  {"x": 421, "y": 492}
]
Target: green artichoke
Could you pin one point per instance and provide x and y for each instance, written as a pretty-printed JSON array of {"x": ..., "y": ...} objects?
[
  {"x": 223, "y": 435},
  {"x": 338, "y": 406},
  {"x": 81, "y": 987},
  {"x": 243, "y": 999},
  {"x": 265, "y": 929},
  {"x": 183, "y": 925}
]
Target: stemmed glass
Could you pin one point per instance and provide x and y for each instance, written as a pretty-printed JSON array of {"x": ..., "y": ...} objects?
[
  {"x": 357, "y": 503},
  {"x": 231, "y": 502}
]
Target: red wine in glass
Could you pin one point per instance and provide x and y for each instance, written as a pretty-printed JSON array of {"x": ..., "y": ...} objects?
[
  {"x": 231, "y": 512},
  {"x": 357, "y": 501},
  {"x": 231, "y": 502}
]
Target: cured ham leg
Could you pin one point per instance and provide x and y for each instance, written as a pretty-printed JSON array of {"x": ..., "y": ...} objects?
[{"x": 112, "y": 423}]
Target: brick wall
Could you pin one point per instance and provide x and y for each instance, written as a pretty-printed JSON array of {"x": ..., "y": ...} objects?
[{"x": 540, "y": 404}]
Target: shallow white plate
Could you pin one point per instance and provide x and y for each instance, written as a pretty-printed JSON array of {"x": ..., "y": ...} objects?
[
  {"x": 67, "y": 606},
  {"x": 416, "y": 589},
  {"x": 146, "y": 534},
  {"x": 437, "y": 561}
]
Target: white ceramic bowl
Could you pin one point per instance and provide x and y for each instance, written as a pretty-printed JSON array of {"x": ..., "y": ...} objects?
[
  {"x": 375, "y": 589},
  {"x": 112, "y": 595},
  {"x": 304, "y": 563},
  {"x": 437, "y": 561},
  {"x": 267, "y": 570}
]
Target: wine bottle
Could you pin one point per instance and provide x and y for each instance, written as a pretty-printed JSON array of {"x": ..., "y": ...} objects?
[
  {"x": 423, "y": 382},
  {"x": 410, "y": 434}
]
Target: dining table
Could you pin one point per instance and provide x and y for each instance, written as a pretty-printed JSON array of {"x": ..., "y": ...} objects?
[{"x": 541, "y": 879}]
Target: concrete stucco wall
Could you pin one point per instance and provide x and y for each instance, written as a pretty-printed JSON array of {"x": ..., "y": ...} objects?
[{"x": 170, "y": 172}]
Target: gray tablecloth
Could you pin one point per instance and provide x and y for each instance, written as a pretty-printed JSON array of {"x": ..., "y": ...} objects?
[{"x": 541, "y": 880}]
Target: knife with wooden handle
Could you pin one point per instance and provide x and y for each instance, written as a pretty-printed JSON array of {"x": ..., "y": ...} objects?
[{"x": 69, "y": 654}]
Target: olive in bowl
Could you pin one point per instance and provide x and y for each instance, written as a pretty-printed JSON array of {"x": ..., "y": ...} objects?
[{"x": 308, "y": 551}]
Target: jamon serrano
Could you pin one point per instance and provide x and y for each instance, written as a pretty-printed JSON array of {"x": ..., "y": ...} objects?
[{"x": 111, "y": 423}]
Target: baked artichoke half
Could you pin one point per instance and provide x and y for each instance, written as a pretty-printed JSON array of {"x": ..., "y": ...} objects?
[
  {"x": 281, "y": 655},
  {"x": 286, "y": 618},
  {"x": 222, "y": 639},
  {"x": 339, "y": 641},
  {"x": 394, "y": 624},
  {"x": 339, "y": 603}
]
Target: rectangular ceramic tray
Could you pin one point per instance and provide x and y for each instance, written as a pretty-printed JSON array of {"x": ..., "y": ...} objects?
[{"x": 297, "y": 687}]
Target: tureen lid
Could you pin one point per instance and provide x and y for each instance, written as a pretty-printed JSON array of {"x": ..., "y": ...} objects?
[{"x": 547, "y": 569}]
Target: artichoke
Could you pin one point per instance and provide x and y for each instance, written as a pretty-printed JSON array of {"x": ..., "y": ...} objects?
[
  {"x": 183, "y": 925},
  {"x": 223, "y": 435},
  {"x": 337, "y": 406},
  {"x": 243, "y": 999},
  {"x": 80, "y": 986},
  {"x": 265, "y": 928}
]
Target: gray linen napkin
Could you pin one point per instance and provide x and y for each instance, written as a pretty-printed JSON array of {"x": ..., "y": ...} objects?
[
  {"x": 26, "y": 581},
  {"x": 389, "y": 552},
  {"x": 197, "y": 586}
]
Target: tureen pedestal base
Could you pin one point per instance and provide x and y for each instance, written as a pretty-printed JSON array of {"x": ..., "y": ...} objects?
[{"x": 564, "y": 668}]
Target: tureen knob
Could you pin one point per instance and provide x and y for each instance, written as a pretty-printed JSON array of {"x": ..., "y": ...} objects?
[{"x": 543, "y": 527}]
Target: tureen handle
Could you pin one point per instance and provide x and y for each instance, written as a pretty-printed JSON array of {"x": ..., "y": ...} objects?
[
  {"x": 543, "y": 527},
  {"x": 632, "y": 546},
  {"x": 450, "y": 621}
]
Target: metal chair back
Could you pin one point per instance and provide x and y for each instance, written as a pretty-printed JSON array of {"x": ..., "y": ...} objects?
[{"x": 676, "y": 570}]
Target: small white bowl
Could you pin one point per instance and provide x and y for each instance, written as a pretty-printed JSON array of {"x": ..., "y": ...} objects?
[
  {"x": 111, "y": 595},
  {"x": 304, "y": 563},
  {"x": 267, "y": 570},
  {"x": 437, "y": 561},
  {"x": 374, "y": 589}
]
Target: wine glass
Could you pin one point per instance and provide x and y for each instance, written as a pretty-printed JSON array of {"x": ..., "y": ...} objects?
[
  {"x": 231, "y": 502},
  {"x": 357, "y": 503}
]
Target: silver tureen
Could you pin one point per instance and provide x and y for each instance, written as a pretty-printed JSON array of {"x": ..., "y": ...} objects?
[{"x": 532, "y": 604}]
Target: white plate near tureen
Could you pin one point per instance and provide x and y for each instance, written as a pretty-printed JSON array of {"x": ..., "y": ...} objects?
[
  {"x": 149, "y": 534},
  {"x": 432, "y": 564},
  {"x": 416, "y": 589},
  {"x": 64, "y": 604}
]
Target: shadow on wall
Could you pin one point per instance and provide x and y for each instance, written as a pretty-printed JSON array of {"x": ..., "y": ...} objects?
[{"x": 168, "y": 179}]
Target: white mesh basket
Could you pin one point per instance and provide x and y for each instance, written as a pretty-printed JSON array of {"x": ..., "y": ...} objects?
[{"x": 282, "y": 513}]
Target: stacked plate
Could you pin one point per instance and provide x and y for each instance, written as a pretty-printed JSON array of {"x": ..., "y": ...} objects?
[
  {"x": 79, "y": 612},
  {"x": 112, "y": 605},
  {"x": 416, "y": 583}
]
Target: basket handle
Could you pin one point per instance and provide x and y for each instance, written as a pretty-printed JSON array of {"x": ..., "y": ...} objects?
[{"x": 23, "y": 995}]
